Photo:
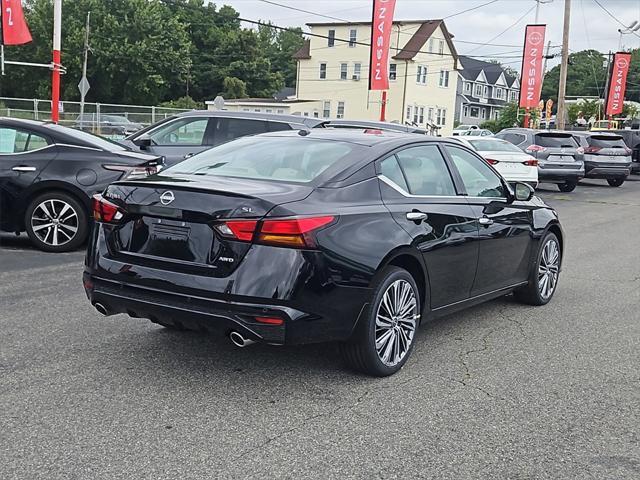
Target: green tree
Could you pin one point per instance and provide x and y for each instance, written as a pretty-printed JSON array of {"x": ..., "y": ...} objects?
[
  {"x": 234, "y": 88},
  {"x": 510, "y": 115},
  {"x": 586, "y": 76}
]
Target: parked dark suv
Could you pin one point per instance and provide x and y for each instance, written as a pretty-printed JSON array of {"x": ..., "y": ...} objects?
[
  {"x": 605, "y": 156},
  {"x": 560, "y": 158},
  {"x": 182, "y": 136}
]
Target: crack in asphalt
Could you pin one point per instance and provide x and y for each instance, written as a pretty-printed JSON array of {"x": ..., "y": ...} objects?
[
  {"x": 467, "y": 373},
  {"x": 510, "y": 319}
]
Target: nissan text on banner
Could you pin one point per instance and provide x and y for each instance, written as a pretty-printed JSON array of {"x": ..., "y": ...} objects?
[
  {"x": 615, "y": 98},
  {"x": 532, "y": 65},
  {"x": 14, "y": 28},
  {"x": 380, "y": 43}
]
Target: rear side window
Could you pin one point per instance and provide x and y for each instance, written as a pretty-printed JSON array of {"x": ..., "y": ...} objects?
[
  {"x": 232, "y": 128},
  {"x": 606, "y": 141},
  {"x": 17, "y": 141},
  {"x": 287, "y": 159},
  {"x": 555, "y": 140},
  {"x": 390, "y": 169},
  {"x": 426, "y": 171},
  {"x": 514, "y": 138}
]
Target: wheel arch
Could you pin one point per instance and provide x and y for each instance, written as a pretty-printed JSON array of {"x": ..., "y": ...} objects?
[
  {"x": 47, "y": 186},
  {"x": 411, "y": 260}
]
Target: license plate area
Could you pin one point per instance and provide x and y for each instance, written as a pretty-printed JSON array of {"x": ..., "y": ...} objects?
[{"x": 561, "y": 158}]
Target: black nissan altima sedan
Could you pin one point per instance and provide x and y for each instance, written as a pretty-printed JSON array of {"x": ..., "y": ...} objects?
[
  {"x": 322, "y": 235},
  {"x": 48, "y": 174}
]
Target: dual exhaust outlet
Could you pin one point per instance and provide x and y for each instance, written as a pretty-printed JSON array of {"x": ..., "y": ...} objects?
[{"x": 236, "y": 338}]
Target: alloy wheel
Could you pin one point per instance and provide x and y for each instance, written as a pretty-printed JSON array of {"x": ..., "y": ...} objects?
[
  {"x": 54, "y": 222},
  {"x": 396, "y": 322},
  {"x": 549, "y": 269}
]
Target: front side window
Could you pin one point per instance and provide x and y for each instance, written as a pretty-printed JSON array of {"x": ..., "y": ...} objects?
[
  {"x": 323, "y": 71},
  {"x": 426, "y": 171},
  {"x": 353, "y": 33},
  {"x": 185, "y": 131},
  {"x": 343, "y": 71},
  {"x": 331, "y": 38},
  {"x": 478, "y": 178},
  {"x": 340, "y": 113}
]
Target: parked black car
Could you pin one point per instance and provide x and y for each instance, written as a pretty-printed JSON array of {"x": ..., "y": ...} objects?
[
  {"x": 606, "y": 156},
  {"x": 632, "y": 140},
  {"x": 48, "y": 174},
  {"x": 183, "y": 135},
  {"x": 560, "y": 158},
  {"x": 321, "y": 235}
]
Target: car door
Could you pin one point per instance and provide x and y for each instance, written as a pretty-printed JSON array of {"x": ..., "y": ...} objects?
[
  {"x": 181, "y": 138},
  {"x": 418, "y": 189},
  {"x": 504, "y": 227},
  {"x": 23, "y": 155}
]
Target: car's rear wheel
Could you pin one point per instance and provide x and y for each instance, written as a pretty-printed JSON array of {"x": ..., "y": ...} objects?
[
  {"x": 567, "y": 186},
  {"x": 543, "y": 279},
  {"x": 385, "y": 335},
  {"x": 615, "y": 182},
  {"x": 56, "y": 222}
]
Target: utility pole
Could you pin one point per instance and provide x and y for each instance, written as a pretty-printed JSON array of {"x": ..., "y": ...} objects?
[
  {"x": 538, "y": 2},
  {"x": 57, "y": 60},
  {"x": 83, "y": 82},
  {"x": 560, "y": 120}
]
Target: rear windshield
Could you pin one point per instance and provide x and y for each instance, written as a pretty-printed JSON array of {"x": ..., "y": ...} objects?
[
  {"x": 555, "y": 140},
  {"x": 608, "y": 141},
  {"x": 289, "y": 159},
  {"x": 492, "y": 145}
]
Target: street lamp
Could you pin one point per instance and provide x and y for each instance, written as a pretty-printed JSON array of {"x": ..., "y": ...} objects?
[
  {"x": 632, "y": 28},
  {"x": 538, "y": 2}
]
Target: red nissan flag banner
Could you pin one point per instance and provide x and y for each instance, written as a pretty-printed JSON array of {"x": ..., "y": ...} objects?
[
  {"x": 380, "y": 42},
  {"x": 615, "y": 98},
  {"x": 532, "y": 65},
  {"x": 14, "y": 28}
]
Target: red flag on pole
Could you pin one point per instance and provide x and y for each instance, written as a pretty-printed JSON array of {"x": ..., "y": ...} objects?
[
  {"x": 618, "y": 84},
  {"x": 380, "y": 43},
  {"x": 14, "y": 28},
  {"x": 532, "y": 65}
]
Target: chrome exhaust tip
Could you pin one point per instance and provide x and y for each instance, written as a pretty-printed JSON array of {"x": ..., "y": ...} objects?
[
  {"x": 239, "y": 341},
  {"x": 102, "y": 310}
]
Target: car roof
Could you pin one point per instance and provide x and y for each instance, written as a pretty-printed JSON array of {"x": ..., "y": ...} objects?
[
  {"x": 374, "y": 124},
  {"x": 312, "y": 121}
]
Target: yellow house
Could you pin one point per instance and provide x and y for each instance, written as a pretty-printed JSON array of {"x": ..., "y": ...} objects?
[{"x": 333, "y": 73}]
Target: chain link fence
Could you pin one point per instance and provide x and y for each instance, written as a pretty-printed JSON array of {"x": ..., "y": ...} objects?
[{"x": 106, "y": 119}]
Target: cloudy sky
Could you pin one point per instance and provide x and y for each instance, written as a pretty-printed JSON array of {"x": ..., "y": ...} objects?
[{"x": 502, "y": 20}]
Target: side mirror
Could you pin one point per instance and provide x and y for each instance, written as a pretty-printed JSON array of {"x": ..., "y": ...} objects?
[
  {"x": 523, "y": 192},
  {"x": 143, "y": 141}
]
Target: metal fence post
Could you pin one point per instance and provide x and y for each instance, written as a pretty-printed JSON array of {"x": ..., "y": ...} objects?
[
  {"x": 35, "y": 108},
  {"x": 153, "y": 114},
  {"x": 98, "y": 118}
]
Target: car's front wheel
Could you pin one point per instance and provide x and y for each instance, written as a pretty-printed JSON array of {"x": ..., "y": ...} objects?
[
  {"x": 567, "y": 186},
  {"x": 543, "y": 279},
  {"x": 56, "y": 222},
  {"x": 615, "y": 182},
  {"x": 385, "y": 335}
]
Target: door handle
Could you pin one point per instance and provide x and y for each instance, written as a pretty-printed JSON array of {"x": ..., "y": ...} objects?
[
  {"x": 486, "y": 221},
  {"x": 188, "y": 155},
  {"x": 23, "y": 168},
  {"x": 416, "y": 216}
]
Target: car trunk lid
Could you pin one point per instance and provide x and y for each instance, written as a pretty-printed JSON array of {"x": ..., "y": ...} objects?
[{"x": 555, "y": 147}]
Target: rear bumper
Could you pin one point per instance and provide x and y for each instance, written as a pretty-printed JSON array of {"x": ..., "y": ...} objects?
[
  {"x": 595, "y": 170},
  {"x": 560, "y": 175}
]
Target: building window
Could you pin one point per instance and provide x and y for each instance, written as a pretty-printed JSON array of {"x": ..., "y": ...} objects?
[
  {"x": 246, "y": 110},
  {"x": 306, "y": 114},
  {"x": 331, "y": 39},
  {"x": 444, "y": 78},
  {"x": 514, "y": 96},
  {"x": 431, "y": 44},
  {"x": 498, "y": 93},
  {"x": 421, "y": 76},
  {"x": 326, "y": 109},
  {"x": 478, "y": 91},
  {"x": 421, "y": 116},
  {"x": 415, "y": 114},
  {"x": 486, "y": 91},
  {"x": 256, "y": 110},
  {"x": 352, "y": 37},
  {"x": 393, "y": 71},
  {"x": 343, "y": 71},
  {"x": 483, "y": 113},
  {"x": 340, "y": 113},
  {"x": 323, "y": 71},
  {"x": 268, "y": 110},
  {"x": 315, "y": 114},
  {"x": 441, "y": 47},
  {"x": 430, "y": 114},
  {"x": 441, "y": 117},
  {"x": 280, "y": 110},
  {"x": 475, "y": 112},
  {"x": 465, "y": 111},
  {"x": 467, "y": 87},
  {"x": 409, "y": 113},
  {"x": 357, "y": 69}
]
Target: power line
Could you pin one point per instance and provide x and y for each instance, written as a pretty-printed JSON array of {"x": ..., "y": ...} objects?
[
  {"x": 505, "y": 30},
  {"x": 613, "y": 16}
]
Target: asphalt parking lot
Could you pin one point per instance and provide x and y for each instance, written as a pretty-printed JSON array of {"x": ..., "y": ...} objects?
[{"x": 500, "y": 391}]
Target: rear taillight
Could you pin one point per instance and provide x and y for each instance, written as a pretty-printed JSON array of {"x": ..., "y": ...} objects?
[
  {"x": 628, "y": 151},
  {"x": 535, "y": 148},
  {"x": 582, "y": 150},
  {"x": 532, "y": 162},
  {"x": 105, "y": 211},
  {"x": 291, "y": 232},
  {"x": 270, "y": 320},
  {"x": 592, "y": 149},
  {"x": 133, "y": 172},
  {"x": 491, "y": 161}
]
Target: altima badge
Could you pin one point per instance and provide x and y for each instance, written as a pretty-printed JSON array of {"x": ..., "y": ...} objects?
[{"x": 167, "y": 197}]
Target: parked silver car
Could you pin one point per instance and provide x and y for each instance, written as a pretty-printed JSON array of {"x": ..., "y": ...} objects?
[
  {"x": 606, "y": 156},
  {"x": 560, "y": 158}
]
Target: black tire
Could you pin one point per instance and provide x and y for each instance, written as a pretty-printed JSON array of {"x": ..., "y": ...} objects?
[
  {"x": 531, "y": 294},
  {"x": 34, "y": 217},
  {"x": 615, "y": 182},
  {"x": 360, "y": 351},
  {"x": 567, "y": 186}
]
